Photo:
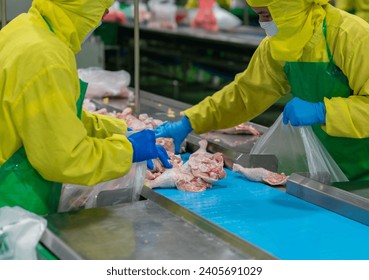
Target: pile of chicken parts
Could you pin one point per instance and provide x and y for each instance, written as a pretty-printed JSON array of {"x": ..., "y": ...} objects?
[{"x": 202, "y": 168}]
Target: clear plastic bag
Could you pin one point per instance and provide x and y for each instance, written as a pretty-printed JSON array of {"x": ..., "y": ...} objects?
[
  {"x": 226, "y": 20},
  {"x": 75, "y": 197},
  {"x": 163, "y": 14},
  {"x": 20, "y": 232},
  {"x": 298, "y": 150},
  {"x": 103, "y": 83}
]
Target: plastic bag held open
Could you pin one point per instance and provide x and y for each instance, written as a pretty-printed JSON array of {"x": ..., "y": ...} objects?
[
  {"x": 205, "y": 17},
  {"x": 299, "y": 150},
  {"x": 75, "y": 197}
]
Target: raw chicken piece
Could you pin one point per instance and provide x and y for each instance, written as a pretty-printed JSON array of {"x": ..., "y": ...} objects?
[
  {"x": 159, "y": 169},
  {"x": 142, "y": 122},
  {"x": 261, "y": 175},
  {"x": 167, "y": 143},
  {"x": 206, "y": 166},
  {"x": 175, "y": 177},
  {"x": 175, "y": 160},
  {"x": 131, "y": 120},
  {"x": 197, "y": 174},
  {"x": 242, "y": 128},
  {"x": 166, "y": 179},
  {"x": 88, "y": 105},
  {"x": 151, "y": 175},
  {"x": 191, "y": 183},
  {"x": 150, "y": 122}
]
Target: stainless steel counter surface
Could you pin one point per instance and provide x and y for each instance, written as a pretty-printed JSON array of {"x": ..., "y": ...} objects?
[{"x": 137, "y": 230}]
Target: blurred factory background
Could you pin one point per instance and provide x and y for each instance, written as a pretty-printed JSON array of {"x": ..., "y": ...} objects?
[{"x": 177, "y": 60}]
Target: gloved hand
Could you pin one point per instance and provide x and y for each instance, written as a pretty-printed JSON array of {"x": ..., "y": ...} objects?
[
  {"x": 145, "y": 148},
  {"x": 161, "y": 149},
  {"x": 176, "y": 130},
  {"x": 300, "y": 112},
  {"x": 150, "y": 164}
]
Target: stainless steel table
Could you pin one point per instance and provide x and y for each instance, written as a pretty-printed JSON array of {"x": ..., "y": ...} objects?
[{"x": 137, "y": 230}]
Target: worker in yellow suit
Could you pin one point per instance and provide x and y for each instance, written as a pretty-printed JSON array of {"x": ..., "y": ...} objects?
[
  {"x": 46, "y": 137},
  {"x": 357, "y": 7},
  {"x": 319, "y": 54}
]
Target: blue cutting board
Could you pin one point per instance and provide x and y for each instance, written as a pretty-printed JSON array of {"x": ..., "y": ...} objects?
[{"x": 283, "y": 225}]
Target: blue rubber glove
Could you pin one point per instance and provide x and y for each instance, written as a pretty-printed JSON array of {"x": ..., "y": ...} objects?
[
  {"x": 300, "y": 112},
  {"x": 145, "y": 148},
  {"x": 176, "y": 130},
  {"x": 150, "y": 164},
  {"x": 161, "y": 150}
]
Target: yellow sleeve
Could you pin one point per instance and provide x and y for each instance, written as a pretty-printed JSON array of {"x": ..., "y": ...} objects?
[
  {"x": 348, "y": 38},
  {"x": 362, "y": 9},
  {"x": 346, "y": 5},
  {"x": 102, "y": 126},
  {"x": 250, "y": 94},
  {"x": 56, "y": 141}
]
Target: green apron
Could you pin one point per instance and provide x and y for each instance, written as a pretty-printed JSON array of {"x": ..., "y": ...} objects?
[
  {"x": 22, "y": 185},
  {"x": 312, "y": 81}
]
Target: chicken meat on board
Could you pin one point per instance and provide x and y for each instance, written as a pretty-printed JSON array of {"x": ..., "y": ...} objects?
[
  {"x": 243, "y": 128},
  {"x": 205, "y": 165},
  {"x": 159, "y": 169},
  {"x": 132, "y": 121},
  {"x": 261, "y": 175},
  {"x": 150, "y": 122},
  {"x": 196, "y": 175}
]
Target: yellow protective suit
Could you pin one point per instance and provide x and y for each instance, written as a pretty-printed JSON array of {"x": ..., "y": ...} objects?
[
  {"x": 39, "y": 89},
  {"x": 264, "y": 80},
  {"x": 358, "y": 7}
]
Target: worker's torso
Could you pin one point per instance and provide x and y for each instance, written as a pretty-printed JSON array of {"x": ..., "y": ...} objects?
[
  {"x": 27, "y": 49},
  {"x": 20, "y": 183},
  {"x": 314, "y": 81}
]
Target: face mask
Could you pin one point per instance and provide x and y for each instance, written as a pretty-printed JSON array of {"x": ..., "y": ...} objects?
[
  {"x": 90, "y": 33},
  {"x": 269, "y": 27}
]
